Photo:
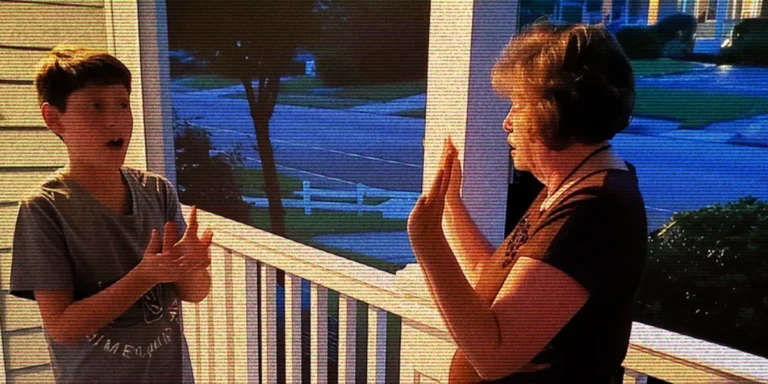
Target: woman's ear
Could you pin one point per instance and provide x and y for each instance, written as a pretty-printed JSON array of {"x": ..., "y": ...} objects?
[{"x": 52, "y": 118}]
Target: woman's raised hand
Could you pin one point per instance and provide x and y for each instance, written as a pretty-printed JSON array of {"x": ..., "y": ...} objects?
[
  {"x": 425, "y": 220},
  {"x": 451, "y": 161}
]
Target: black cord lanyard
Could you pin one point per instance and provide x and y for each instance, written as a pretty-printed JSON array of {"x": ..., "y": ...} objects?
[{"x": 591, "y": 155}]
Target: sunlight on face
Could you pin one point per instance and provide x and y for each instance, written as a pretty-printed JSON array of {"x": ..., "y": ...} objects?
[{"x": 97, "y": 125}]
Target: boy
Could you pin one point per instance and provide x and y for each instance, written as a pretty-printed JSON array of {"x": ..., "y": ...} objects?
[{"x": 88, "y": 246}]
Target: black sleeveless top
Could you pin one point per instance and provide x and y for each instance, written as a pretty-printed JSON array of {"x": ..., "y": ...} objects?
[{"x": 597, "y": 235}]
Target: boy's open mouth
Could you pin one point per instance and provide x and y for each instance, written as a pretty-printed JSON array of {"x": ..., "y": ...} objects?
[{"x": 116, "y": 143}]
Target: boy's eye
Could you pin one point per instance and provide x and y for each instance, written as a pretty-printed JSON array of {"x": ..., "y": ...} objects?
[
  {"x": 97, "y": 105},
  {"x": 123, "y": 105}
]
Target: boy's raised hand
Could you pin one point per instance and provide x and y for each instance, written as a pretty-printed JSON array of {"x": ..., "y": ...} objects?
[
  {"x": 190, "y": 245},
  {"x": 159, "y": 266},
  {"x": 168, "y": 261}
]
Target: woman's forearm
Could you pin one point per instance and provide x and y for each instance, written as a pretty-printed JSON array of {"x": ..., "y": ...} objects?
[
  {"x": 468, "y": 318},
  {"x": 465, "y": 239}
]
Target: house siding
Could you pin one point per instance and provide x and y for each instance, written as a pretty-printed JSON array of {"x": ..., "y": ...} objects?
[{"x": 29, "y": 152}]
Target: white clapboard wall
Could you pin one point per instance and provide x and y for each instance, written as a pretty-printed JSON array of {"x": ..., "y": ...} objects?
[{"x": 29, "y": 152}]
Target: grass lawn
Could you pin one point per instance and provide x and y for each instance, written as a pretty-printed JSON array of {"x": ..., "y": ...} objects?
[
  {"x": 696, "y": 109},
  {"x": 663, "y": 67},
  {"x": 320, "y": 222},
  {"x": 312, "y": 101},
  {"x": 302, "y": 228},
  {"x": 301, "y": 91},
  {"x": 420, "y": 113},
  {"x": 251, "y": 182},
  {"x": 382, "y": 92},
  {"x": 204, "y": 82}
]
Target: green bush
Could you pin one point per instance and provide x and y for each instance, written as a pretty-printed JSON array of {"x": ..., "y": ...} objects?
[
  {"x": 206, "y": 180},
  {"x": 639, "y": 42},
  {"x": 371, "y": 42},
  {"x": 706, "y": 275}
]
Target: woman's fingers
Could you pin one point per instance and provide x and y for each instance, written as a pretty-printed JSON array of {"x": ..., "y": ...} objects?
[{"x": 436, "y": 186}]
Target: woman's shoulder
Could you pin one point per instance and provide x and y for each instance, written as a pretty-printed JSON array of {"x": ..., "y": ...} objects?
[{"x": 599, "y": 197}]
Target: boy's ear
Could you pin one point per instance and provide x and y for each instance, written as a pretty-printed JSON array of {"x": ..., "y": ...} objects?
[{"x": 52, "y": 117}]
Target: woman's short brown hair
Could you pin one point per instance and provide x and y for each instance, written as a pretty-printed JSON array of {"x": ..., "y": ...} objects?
[
  {"x": 575, "y": 79},
  {"x": 65, "y": 69}
]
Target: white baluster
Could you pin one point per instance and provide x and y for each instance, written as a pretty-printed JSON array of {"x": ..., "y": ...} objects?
[
  {"x": 191, "y": 319},
  {"x": 318, "y": 351},
  {"x": 292, "y": 328},
  {"x": 239, "y": 292},
  {"x": 218, "y": 315},
  {"x": 252, "y": 318},
  {"x": 377, "y": 344},
  {"x": 347, "y": 338},
  {"x": 268, "y": 325}
]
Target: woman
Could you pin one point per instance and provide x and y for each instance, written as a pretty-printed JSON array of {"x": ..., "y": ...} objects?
[{"x": 553, "y": 303}]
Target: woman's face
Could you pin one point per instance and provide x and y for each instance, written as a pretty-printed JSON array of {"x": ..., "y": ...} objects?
[{"x": 519, "y": 125}]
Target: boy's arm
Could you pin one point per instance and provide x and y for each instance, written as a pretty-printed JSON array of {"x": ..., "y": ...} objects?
[
  {"x": 193, "y": 287},
  {"x": 68, "y": 321}
]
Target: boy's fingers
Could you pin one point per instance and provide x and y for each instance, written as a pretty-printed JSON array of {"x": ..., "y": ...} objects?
[
  {"x": 192, "y": 223},
  {"x": 171, "y": 233},
  {"x": 155, "y": 244},
  {"x": 207, "y": 237}
]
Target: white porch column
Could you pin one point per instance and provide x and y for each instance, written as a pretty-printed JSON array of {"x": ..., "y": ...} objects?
[
  {"x": 123, "y": 43},
  {"x": 137, "y": 34},
  {"x": 465, "y": 38},
  {"x": 156, "y": 88}
]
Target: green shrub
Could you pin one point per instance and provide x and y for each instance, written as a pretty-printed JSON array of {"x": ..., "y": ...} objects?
[
  {"x": 206, "y": 180},
  {"x": 706, "y": 275},
  {"x": 639, "y": 42}
]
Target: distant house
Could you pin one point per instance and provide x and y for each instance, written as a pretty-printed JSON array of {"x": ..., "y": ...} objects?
[{"x": 715, "y": 17}]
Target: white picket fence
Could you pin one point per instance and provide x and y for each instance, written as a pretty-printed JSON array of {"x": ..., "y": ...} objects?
[{"x": 398, "y": 206}]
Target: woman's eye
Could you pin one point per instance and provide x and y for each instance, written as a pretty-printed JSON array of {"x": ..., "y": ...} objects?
[
  {"x": 97, "y": 105},
  {"x": 123, "y": 105}
]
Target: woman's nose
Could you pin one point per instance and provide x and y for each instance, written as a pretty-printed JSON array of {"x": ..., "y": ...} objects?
[{"x": 508, "y": 127}]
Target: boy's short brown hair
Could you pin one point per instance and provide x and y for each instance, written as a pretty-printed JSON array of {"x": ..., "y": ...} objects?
[{"x": 65, "y": 69}]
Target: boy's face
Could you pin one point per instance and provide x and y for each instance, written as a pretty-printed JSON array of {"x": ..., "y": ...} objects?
[{"x": 96, "y": 127}]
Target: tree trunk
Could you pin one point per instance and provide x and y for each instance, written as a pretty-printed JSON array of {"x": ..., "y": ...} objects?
[{"x": 261, "y": 112}]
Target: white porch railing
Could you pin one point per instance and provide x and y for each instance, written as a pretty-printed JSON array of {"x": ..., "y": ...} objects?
[{"x": 223, "y": 330}]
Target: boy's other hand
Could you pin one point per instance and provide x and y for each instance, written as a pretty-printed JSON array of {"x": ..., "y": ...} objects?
[
  {"x": 161, "y": 266},
  {"x": 191, "y": 245}
]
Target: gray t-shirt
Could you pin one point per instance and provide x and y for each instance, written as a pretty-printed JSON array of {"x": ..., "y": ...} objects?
[{"x": 66, "y": 239}]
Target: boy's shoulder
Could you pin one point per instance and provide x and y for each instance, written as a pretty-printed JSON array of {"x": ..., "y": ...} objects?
[{"x": 50, "y": 190}]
